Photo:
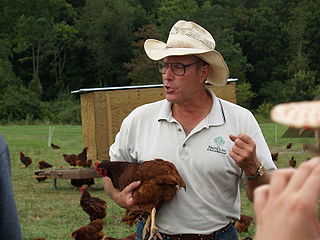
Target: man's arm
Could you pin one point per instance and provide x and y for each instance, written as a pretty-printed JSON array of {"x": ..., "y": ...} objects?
[
  {"x": 244, "y": 154},
  {"x": 251, "y": 184}
]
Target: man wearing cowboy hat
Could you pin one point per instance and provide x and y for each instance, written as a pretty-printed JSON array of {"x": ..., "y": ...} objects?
[{"x": 213, "y": 143}]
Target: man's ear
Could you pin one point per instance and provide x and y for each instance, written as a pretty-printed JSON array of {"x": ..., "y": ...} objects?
[{"x": 205, "y": 72}]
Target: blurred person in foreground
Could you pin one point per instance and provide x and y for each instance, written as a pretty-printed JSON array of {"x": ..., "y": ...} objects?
[
  {"x": 288, "y": 207},
  {"x": 9, "y": 219},
  {"x": 213, "y": 143}
]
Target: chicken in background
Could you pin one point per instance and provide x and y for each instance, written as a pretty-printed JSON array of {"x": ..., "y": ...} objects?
[
  {"x": 82, "y": 158},
  {"x": 44, "y": 164},
  {"x": 244, "y": 223},
  {"x": 292, "y": 162},
  {"x": 92, "y": 231},
  {"x": 274, "y": 156},
  {"x": 129, "y": 237},
  {"x": 70, "y": 158},
  {"x": 26, "y": 160},
  {"x": 289, "y": 145},
  {"x": 159, "y": 181},
  {"x": 39, "y": 178},
  {"x": 55, "y": 146},
  {"x": 82, "y": 181},
  {"x": 78, "y": 159},
  {"x": 95, "y": 207}
]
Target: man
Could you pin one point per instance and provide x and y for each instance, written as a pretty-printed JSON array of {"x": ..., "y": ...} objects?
[
  {"x": 213, "y": 143},
  {"x": 9, "y": 220}
]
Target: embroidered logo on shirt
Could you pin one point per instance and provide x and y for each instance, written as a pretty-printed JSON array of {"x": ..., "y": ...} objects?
[{"x": 219, "y": 141}]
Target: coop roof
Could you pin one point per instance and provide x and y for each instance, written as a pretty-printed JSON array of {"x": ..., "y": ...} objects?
[{"x": 85, "y": 90}]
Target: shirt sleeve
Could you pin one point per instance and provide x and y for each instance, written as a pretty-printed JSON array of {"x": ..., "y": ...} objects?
[
  {"x": 263, "y": 152},
  {"x": 121, "y": 149}
]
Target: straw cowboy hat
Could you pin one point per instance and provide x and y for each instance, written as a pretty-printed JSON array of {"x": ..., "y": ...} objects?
[{"x": 188, "y": 38}]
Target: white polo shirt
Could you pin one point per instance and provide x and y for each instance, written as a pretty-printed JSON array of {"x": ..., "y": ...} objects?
[{"x": 212, "y": 196}]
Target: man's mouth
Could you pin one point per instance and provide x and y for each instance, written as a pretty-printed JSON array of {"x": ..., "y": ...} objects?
[{"x": 169, "y": 89}]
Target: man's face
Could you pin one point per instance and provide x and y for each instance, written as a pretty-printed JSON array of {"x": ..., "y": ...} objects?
[{"x": 181, "y": 78}]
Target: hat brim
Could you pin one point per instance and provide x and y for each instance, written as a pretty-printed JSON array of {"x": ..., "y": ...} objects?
[{"x": 157, "y": 50}]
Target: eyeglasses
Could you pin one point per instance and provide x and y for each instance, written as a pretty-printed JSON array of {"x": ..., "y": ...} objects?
[{"x": 178, "y": 69}]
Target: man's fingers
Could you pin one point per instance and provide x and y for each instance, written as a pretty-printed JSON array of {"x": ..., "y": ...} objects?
[
  {"x": 232, "y": 137},
  {"x": 132, "y": 186},
  {"x": 241, "y": 138}
]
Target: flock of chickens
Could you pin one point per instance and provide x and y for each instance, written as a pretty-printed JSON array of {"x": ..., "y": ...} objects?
[
  {"x": 160, "y": 180},
  {"x": 157, "y": 187},
  {"x": 292, "y": 162}
]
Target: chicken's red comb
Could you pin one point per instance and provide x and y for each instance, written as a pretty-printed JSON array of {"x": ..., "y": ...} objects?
[{"x": 95, "y": 164}]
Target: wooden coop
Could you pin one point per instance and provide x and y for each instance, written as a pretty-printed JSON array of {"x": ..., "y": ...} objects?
[{"x": 103, "y": 109}]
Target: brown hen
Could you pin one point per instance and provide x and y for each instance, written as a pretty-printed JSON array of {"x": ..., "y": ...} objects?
[
  {"x": 159, "y": 181},
  {"x": 54, "y": 146},
  {"x": 39, "y": 178},
  {"x": 82, "y": 181},
  {"x": 92, "y": 231},
  {"x": 274, "y": 156},
  {"x": 44, "y": 164},
  {"x": 292, "y": 162},
  {"x": 93, "y": 206},
  {"x": 289, "y": 145},
  {"x": 82, "y": 158},
  {"x": 70, "y": 158},
  {"x": 243, "y": 224},
  {"x": 25, "y": 159}
]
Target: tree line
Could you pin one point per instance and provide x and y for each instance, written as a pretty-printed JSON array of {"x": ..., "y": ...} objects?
[{"x": 50, "y": 47}]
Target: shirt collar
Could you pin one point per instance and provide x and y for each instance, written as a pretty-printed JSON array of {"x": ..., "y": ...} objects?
[
  {"x": 165, "y": 111},
  {"x": 216, "y": 116}
]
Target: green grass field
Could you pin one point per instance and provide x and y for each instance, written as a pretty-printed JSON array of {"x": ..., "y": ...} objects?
[{"x": 55, "y": 214}]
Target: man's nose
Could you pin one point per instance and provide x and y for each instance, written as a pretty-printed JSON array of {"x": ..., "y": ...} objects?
[{"x": 168, "y": 73}]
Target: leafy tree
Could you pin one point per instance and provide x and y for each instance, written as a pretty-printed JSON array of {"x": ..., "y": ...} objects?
[
  {"x": 272, "y": 92},
  {"x": 65, "y": 109},
  {"x": 141, "y": 69},
  {"x": 35, "y": 86},
  {"x": 7, "y": 74},
  {"x": 244, "y": 94},
  {"x": 220, "y": 23},
  {"x": 312, "y": 47},
  {"x": 296, "y": 29},
  {"x": 301, "y": 87},
  {"x": 105, "y": 28},
  {"x": 170, "y": 11},
  {"x": 65, "y": 36},
  {"x": 33, "y": 35},
  {"x": 18, "y": 103}
]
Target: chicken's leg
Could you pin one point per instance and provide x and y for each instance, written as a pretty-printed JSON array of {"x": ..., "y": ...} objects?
[{"x": 154, "y": 230}]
